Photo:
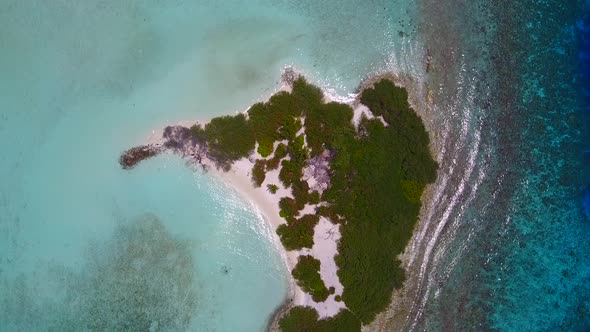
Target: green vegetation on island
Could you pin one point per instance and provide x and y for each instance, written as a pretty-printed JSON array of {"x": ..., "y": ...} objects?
[
  {"x": 307, "y": 274},
  {"x": 258, "y": 173},
  {"x": 228, "y": 139},
  {"x": 272, "y": 188},
  {"x": 298, "y": 233},
  {"x": 377, "y": 174},
  {"x": 306, "y": 319}
]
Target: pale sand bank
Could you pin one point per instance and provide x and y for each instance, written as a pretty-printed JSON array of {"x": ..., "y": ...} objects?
[{"x": 326, "y": 234}]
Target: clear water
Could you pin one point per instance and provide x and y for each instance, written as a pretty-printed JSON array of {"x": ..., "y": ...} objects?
[
  {"x": 503, "y": 244},
  {"x": 82, "y": 81}
]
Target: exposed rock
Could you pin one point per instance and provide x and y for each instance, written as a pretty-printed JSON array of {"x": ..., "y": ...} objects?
[
  {"x": 133, "y": 156},
  {"x": 176, "y": 139},
  {"x": 289, "y": 76}
]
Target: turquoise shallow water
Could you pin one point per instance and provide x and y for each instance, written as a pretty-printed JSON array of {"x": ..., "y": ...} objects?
[
  {"x": 81, "y": 82},
  {"x": 233, "y": 258},
  {"x": 503, "y": 244}
]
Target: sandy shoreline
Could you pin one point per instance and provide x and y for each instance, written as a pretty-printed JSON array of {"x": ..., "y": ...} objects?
[
  {"x": 326, "y": 234},
  {"x": 267, "y": 204},
  {"x": 325, "y": 241}
]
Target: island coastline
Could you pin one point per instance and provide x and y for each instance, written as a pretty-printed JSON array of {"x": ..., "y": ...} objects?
[{"x": 239, "y": 178}]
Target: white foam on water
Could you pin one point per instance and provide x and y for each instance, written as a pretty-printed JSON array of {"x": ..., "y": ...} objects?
[{"x": 465, "y": 191}]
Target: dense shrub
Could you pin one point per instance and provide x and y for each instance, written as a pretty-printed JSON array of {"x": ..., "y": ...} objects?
[
  {"x": 289, "y": 207},
  {"x": 198, "y": 133},
  {"x": 307, "y": 96},
  {"x": 344, "y": 321},
  {"x": 377, "y": 176},
  {"x": 307, "y": 275},
  {"x": 258, "y": 173},
  {"x": 290, "y": 172},
  {"x": 329, "y": 213},
  {"x": 366, "y": 190},
  {"x": 376, "y": 181},
  {"x": 265, "y": 148},
  {"x": 325, "y": 123},
  {"x": 300, "y": 191},
  {"x": 266, "y": 118},
  {"x": 314, "y": 197},
  {"x": 281, "y": 151},
  {"x": 298, "y": 233},
  {"x": 229, "y": 138},
  {"x": 305, "y": 319},
  {"x": 297, "y": 151},
  {"x": 292, "y": 169},
  {"x": 300, "y": 319},
  {"x": 263, "y": 124},
  {"x": 387, "y": 100},
  {"x": 272, "y": 188},
  {"x": 289, "y": 128},
  {"x": 272, "y": 164},
  {"x": 412, "y": 190}
]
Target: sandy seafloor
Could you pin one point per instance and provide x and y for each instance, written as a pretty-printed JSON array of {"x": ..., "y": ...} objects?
[
  {"x": 502, "y": 243},
  {"x": 80, "y": 83}
]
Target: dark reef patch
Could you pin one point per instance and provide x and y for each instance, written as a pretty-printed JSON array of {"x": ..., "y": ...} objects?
[
  {"x": 141, "y": 279},
  {"x": 135, "y": 155}
]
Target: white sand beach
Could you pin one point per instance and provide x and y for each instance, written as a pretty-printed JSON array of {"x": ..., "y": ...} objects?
[{"x": 326, "y": 234}]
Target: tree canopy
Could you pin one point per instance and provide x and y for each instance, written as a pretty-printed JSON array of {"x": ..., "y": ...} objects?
[{"x": 377, "y": 176}]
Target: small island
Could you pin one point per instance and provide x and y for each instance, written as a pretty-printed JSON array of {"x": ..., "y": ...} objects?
[{"x": 346, "y": 184}]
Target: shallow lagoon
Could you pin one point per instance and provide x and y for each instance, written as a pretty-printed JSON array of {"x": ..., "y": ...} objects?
[{"x": 81, "y": 82}]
